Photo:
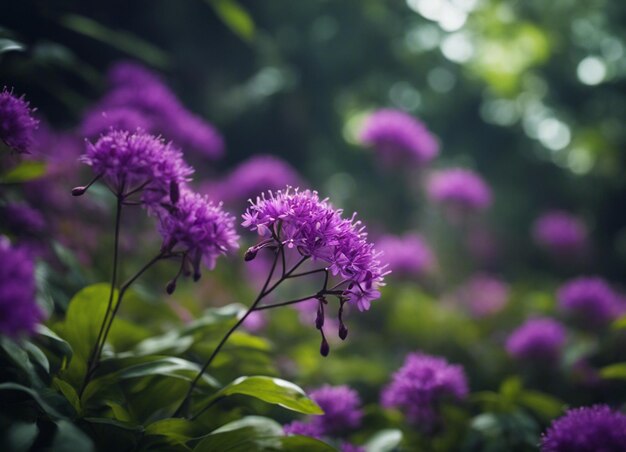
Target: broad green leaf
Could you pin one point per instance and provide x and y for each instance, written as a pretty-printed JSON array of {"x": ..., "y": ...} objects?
[
  {"x": 37, "y": 356},
  {"x": 384, "y": 441},
  {"x": 8, "y": 45},
  {"x": 20, "y": 436},
  {"x": 235, "y": 17},
  {"x": 614, "y": 371},
  {"x": 69, "y": 392},
  {"x": 49, "y": 340},
  {"x": 168, "y": 343},
  {"x": 178, "y": 430},
  {"x": 545, "y": 405},
  {"x": 250, "y": 434},
  {"x": 304, "y": 444},
  {"x": 36, "y": 396},
  {"x": 271, "y": 390},
  {"x": 69, "y": 438},
  {"x": 119, "y": 39},
  {"x": 26, "y": 171}
]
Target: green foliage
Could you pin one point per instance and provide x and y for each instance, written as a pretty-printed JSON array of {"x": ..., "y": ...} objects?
[{"x": 25, "y": 171}]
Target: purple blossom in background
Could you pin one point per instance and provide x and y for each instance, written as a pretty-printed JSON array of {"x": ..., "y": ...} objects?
[
  {"x": 255, "y": 322},
  {"x": 399, "y": 138},
  {"x": 138, "y": 98},
  {"x": 137, "y": 162},
  {"x": 304, "y": 429},
  {"x": 587, "y": 429},
  {"x": 17, "y": 123},
  {"x": 590, "y": 300},
  {"x": 407, "y": 256},
  {"x": 19, "y": 312},
  {"x": 22, "y": 220},
  {"x": 341, "y": 406},
  {"x": 349, "y": 447},
  {"x": 315, "y": 229},
  {"x": 538, "y": 339},
  {"x": 484, "y": 295},
  {"x": 255, "y": 175},
  {"x": 560, "y": 233},
  {"x": 421, "y": 384},
  {"x": 460, "y": 189},
  {"x": 198, "y": 228}
]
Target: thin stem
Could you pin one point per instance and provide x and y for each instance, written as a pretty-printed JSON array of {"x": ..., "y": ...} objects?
[
  {"x": 92, "y": 357},
  {"x": 287, "y": 275},
  {"x": 311, "y": 272},
  {"x": 287, "y": 303},
  {"x": 262, "y": 293}
]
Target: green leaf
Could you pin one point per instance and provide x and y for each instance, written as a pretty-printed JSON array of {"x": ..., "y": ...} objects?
[
  {"x": 250, "y": 434},
  {"x": 305, "y": 444},
  {"x": 544, "y": 405},
  {"x": 511, "y": 388},
  {"x": 69, "y": 392},
  {"x": 49, "y": 409},
  {"x": 8, "y": 45},
  {"x": 384, "y": 441},
  {"x": 70, "y": 438},
  {"x": 49, "y": 340},
  {"x": 118, "y": 39},
  {"x": 20, "y": 358},
  {"x": 26, "y": 171},
  {"x": 614, "y": 371},
  {"x": 235, "y": 17},
  {"x": 178, "y": 430},
  {"x": 271, "y": 390}
]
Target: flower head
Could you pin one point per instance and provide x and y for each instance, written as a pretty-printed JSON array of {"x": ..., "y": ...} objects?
[
  {"x": 484, "y": 295},
  {"x": 341, "y": 406},
  {"x": 538, "y": 339},
  {"x": 459, "y": 189},
  {"x": 199, "y": 229},
  {"x": 421, "y": 384},
  {"x": 17, "y": 124},
  {"x": 586, "y": 429},
  {"x": 310, "y": 225},
  {"x": 399, "y": 137},
  {"x": 407, "y": 256},
  {"x": 590, "y": 300},
  {"x": 255, "y": 175},
  {"x": 137, "y": 161},
  {"x": 19, "y": 312},
  {"x": 560, "y": 233}
]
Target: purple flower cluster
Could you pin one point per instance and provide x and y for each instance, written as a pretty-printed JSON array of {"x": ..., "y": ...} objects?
[
  {"x": 538, "y": 339},
  {"x": 342, "y": 413},
  {"x": 460, "y": 189},
  {"x": 197, "y": 228},
  {"x": 484, "y": 295},
  {"x": 590, "y": 300},
  {"x": 421, "y": 384},
  {"x": 560, "y": 233},
  {"x": 399, "y": 138},
  {"x": 139, "y": 99},
  {"x": 132, "y": 162},
  {"x": 257, "y": 174},
  {"x": 303, "y": 221},
  {"x": 17, "y": 124},
  {"x": 19, "y": 312},
  {"x": 587, "y": 429},
  {"x": 22, "y": 220},
  {"x": 407, "y": 256}
]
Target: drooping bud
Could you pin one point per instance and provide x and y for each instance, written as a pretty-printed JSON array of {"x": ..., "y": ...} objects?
[
  {"x": 319, "y": 318},
  {"x": 250, "y": 254},
  {"x": 79, "y": 191},
  {"x": 171, "y": 287},
  {"x": 343, "y": 331},
  {"x": 324, "y": 347}
]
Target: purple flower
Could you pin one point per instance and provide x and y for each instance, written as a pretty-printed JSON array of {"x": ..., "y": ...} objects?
[
  {"x": 255, "y": 322},
  {"x": 407, "y": 256},
  {"x": 197, "y": 228},
  {"x": 459, "y": 189},
  {"x": 421, "y": 384},
  {"x": 484, "y": 295},
  {"x": 315, "y": 229},
  {"x": 17, "y": 124},
  {"x": 19, "y": 312},
  {"x": 589, "y": 300},
  {"x": 349, "y": 447},
  {"x": 587, "y": 429},
  {"x": 253, "y": 176},
  {"x": 139, "y": 99},
  {"x": 341, "y": 406},
  {"x": 304, "y": 429},
  {"x": 131, "y": 162},
  {"x": 538, "y": 339},
  {"x": 399, "y": 138},
  {"x": 22, "y": 220},
  {"x": 560, "y": 233}
]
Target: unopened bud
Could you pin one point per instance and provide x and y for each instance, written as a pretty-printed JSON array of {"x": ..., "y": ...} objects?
[
  {"x": 343, "y": 332},
  {"x": 78, "y": 191},
  {"x": 324, "y": 347},
  {"x": 171, "y": 287},
  {"x": 250, "y": 254}
]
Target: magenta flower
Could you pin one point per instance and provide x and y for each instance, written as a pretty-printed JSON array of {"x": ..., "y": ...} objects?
[
  {"x": 586, "y": 429},
  {"x": 311, "y": 225},
  {"x": 459, "y": 189},
  {"x": 590, "y": 300},
  {"x": 19, "y": 312},
  {"x": 560, "y": 233},
  {"x": 539, "y": 339},
  {"x": 399, "y": 138},
  {"x": 303, "y": 428},
  {"x": 197, "y": 228},
  {"x": 133, "y": 162},
  {"x": 17, "y": 123},
  {"x": 421, "y": 384},
  {"x": 484, "y": 295},
  {"x": 407, "y": 256}
]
